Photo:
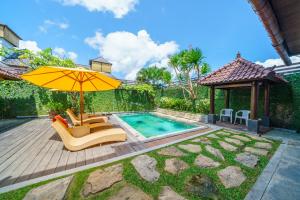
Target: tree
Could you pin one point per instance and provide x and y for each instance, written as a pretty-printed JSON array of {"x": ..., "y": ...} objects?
[
  {"x": 187, "y": 64},
  {"x": 157, "y": 77}
]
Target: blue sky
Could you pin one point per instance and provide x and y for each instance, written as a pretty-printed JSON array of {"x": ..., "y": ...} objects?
[{"x": 133, "y": 34}]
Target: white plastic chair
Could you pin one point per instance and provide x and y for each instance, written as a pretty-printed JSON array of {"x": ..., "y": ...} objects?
[
  {"x": 226, "y": 113},
  {"x": 244, "y": 116}
]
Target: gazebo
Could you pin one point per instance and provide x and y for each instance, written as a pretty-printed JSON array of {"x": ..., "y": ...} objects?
[
  {"x": 5, "y": 74},
  {"x": 241, "y": 73}
]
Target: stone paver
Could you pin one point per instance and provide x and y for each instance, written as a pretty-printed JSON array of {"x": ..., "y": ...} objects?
[
  {"x": 215, "y": 152},
  {"x": 146, "y": 167},
  {"x": 234, "y": 141},
  {"x": 255, "y": 137},
  {"x": 227, "y": 146},
  {"x": 102, "y": 179},
  {"x": 231, "y": 176},
  {"x": 202, "y": 140},
  {"x": 247, "y": 159},
  {"x": 242, "y": 138},
  {"x": 205, "y": 162},
  {"x": 202, "y": 186},
  {"x": 260, "y": 152},
  {"x": 190, "y": 148},
  {"x": 223, "y": 133},
  {"x": 168, "y": 194},
  {"x": 175, "y": 165},
  {"x": 53, "y": 190},
  {"x": 263, "y": 145},
  {"x": 213, "y": 136},
  {"x": 171, "y": 151},
  {"x": 129, "y": 192}
]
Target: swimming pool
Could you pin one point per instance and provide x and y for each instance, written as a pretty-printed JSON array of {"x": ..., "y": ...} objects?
[{"x": 150, "y": 125}]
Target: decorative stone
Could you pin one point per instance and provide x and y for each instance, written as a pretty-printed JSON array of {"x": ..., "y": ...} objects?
[
  {"x": 202, "y": 140},
  {"x": 247, "y": 159},
  {"x": 205, "y": 162},
  {"x": 234, "y": 141},
  {"x": 231, "y": 176},
  {"x": 215, "y": 152},
  {"x": 260, "y": 152},
  {"x": 223, "y": 133},
  {"x": 175, "y": 166},
  {"x": 190, "y": 148},
  {"x": 202, "y": 186},
  {"x": 129, "y": 192},
  {"x": 242, "y": 138},
  {"x": 146, "y": 167},
  {"x": 168, "y": 194},
  {"x": 102, "y": 179},
  {"x": 213, "y": 136},
  {"x": 259, "y": 138},
  {"x": 227, "y": 146},
  {"x": 171, "y": 151},
  {"x": 53, "y": 190},
  {"x": 263, "y": 145}
]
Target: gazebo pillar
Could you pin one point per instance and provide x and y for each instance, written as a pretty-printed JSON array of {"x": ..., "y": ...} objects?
[
  {"x": 266, "y": 116},
  {"x": 211, "y": 115},
  {"x": 226, "y": 97},
  {"x": 253, "y": 123}
]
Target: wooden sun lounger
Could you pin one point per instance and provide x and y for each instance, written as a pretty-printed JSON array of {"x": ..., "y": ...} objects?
[
  {"x": 76, "y": 121},
  {"x": 99, "y": 137}
]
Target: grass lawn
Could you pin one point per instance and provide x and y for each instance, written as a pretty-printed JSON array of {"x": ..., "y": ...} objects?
[{"x": 177, "y": 183}]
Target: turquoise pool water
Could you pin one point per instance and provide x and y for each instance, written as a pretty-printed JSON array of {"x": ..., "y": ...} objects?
[{"x": 150, "y": 125}]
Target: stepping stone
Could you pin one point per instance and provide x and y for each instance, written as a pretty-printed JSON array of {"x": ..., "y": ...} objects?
[
  {"x": 263, "y": 145},
  {"x": 242, "y": 138},
  {"x": 231, "y": 176},
  {"x": 215, "y": 152},
  {"x": 129, "y": 192},
  {"x": 202, "y": 186},
  {"x": 146, "y": 167},
  {"x": 190, "y": 148},
  {"x": 175, "y": 166},
  {"x": 223, "y": 133},
  {"x": 259, "y": 138},
  {"x": 234, "y": 141},
  {"x": 260, "y": 152},
  {"x": 53, "y": 190},
  {"x": 171, "y": 151},
  {"x": 202, "y": 140},
  {"x": 102, "y": 179},
  {"x": 233, "y": 132},
  {"x": 247, "y": 159},
  {"x": 227, "y": 146},
  {"x": 168, "y": 194},
  {"x": 213, "y": 136},
  {"x": 205, "y": 162}
]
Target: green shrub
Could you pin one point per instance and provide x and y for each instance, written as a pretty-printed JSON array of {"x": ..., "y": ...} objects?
[{"x": 202, "y": 106}]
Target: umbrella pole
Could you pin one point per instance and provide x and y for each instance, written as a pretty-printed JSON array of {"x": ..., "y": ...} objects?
[{"x": 81, "y": 105}]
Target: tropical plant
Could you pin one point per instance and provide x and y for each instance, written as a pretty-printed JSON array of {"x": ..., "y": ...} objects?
[
  {"x": 188, "y": 64},
  {"x": 155, "y": 76}
]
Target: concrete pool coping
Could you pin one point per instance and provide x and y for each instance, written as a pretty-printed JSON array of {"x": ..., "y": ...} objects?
[{"x": 142, "y": 138}]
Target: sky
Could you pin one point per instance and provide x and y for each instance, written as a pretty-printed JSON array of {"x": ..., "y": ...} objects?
[{"x": 138, "y": 33}]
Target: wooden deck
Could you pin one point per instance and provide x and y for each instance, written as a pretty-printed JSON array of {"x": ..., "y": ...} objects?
[{"x": 33, "y": 149}]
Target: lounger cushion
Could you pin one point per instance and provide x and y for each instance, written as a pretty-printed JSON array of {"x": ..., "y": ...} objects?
[{"x": 60, "y": 118}]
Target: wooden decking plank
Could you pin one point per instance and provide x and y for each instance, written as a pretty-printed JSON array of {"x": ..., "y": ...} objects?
[
  {"x": 71, "y": 160},
  {"x": 61, "y": 165},
  {"x": 16, "y": 169},
  {"x": 89, "y": 157},
  {"x": 10, "y": 133},
  {"x": 80, "y": 159}
]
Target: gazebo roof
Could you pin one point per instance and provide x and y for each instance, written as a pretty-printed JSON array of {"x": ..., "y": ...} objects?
[
  {"x": 6, "y": 74},
  {"x": 240, "y": 70}
]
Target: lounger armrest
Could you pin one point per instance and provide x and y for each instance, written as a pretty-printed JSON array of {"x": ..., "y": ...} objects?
[{"x": 80, "y": 131}]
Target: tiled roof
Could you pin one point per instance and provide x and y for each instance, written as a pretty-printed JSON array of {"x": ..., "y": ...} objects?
[
  {"x": 6, "y": 74},
  {"x": 100, "y": 59},
  {"x": 240, "y": 70}
]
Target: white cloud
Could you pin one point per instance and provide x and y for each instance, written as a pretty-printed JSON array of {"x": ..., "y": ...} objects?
[
  {"x": 30, "y": 45},
  {"x": 60, "y": 52},
  {"x": 129, "y": 52},
  {"x": 47, "y": 24},
  {"x": 118, "y": 7},
  {"x": 277, "y": 61}
]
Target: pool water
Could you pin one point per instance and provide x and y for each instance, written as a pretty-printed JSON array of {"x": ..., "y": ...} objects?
[{"x": 150, "y": 125}]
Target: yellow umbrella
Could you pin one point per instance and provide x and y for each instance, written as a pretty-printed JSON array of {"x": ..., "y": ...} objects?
[{"x": 71, "y": 79}]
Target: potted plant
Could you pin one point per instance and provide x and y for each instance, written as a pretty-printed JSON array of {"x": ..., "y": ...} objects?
[{"x": 55, "y": 108}]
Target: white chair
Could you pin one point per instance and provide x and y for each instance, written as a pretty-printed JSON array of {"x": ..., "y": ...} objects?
[
  {"x": 226, "y": 113},
  {"x": 244, "y": 116}
]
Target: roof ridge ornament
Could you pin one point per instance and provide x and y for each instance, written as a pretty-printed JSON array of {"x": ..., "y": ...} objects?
[{"x": 238, "y": 55}]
